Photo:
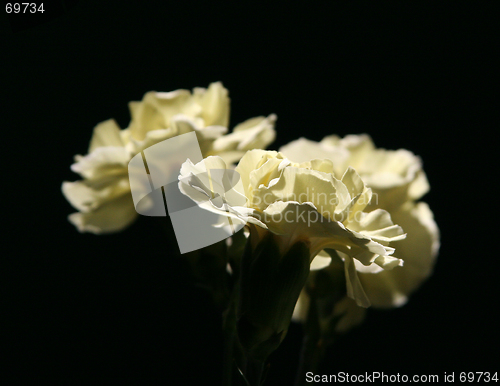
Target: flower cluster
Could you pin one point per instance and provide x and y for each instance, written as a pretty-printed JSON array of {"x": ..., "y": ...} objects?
[
  {"x": 277, "y": 195},
  {"x": 332, "y": 226},
  {"x": 398, "y": 182},
  {"x": 103, "y": 197}
]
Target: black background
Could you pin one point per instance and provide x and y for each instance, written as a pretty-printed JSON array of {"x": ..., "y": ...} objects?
[{"x": 413, "y": 75}]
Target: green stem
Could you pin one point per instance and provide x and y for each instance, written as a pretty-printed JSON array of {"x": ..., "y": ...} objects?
[
  {"x": 231, "y": 347},
  {"x": 229, "y": 341},
  {"x": 312, "y": 345},
  {"x": 254, "y": 372}
]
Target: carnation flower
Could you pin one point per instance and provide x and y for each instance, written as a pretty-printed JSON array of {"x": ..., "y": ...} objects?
[
  {"x": 299, "y": 202},
  {"x": 103, "y": 197},
  {"x": 397, "y": 181}
]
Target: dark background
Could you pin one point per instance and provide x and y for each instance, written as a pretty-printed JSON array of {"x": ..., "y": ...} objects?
[{"x": 413, "y": 75}]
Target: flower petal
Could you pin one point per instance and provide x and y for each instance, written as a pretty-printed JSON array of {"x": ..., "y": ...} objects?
[
  {"x": 86, "y": 198},
  {"x": 255, "y": 133},
  {"x": 156, "y": 109},
  {"x": 304, "y": 150},
  {"x": 418, "y": 250},
  {"x": 320, "y": 261},
  {"x": 106, "y": 133},
  {"x": 103, "y": 161},
  {"x": 214, "y": 103},
  {"x": 354, "y": 288},
  {"x": 113, "y": 216}
]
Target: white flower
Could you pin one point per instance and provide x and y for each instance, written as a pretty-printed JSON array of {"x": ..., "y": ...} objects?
[
  {"x": 398, "y": 181},
  {"x": 299, "y": 202},
  {"x": 419, "y": 251},
  {"x": 103, "y": 197},
  {"x": 395, "y": 176}
]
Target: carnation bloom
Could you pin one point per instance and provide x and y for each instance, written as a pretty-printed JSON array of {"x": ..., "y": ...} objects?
[
  {"x": 300, "y": 202},
  {"x": 397, "y": 181},
  {"x": 103, "y": 197}
]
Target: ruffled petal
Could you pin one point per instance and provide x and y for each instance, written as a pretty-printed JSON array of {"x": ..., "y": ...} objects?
[
  {"x": 106, "y": 133},
  {"x": 255, "y": 133},
  {"x": 86, "y": 198},
  {"x": 156, "y": 109},
  {"x": 214, "y": 102},
  {"x": 418, "y": 250},
  {"x": 103, "y": 161},
  {"x": 113, "y": 216}
]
